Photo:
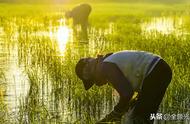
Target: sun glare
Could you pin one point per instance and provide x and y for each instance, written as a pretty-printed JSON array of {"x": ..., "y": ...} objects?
[
  {"x": 63, "y": 37},
  {"x": 163, "y": 25}
]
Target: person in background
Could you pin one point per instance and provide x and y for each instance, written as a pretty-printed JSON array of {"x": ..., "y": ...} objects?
[
  {"x": 80, "y": 15},
  {"x": 128, "y": 72}
]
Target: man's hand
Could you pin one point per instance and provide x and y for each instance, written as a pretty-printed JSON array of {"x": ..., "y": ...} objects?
[
  {"x": 112, "y": 117},
  {"x": 115, "y": 116}
]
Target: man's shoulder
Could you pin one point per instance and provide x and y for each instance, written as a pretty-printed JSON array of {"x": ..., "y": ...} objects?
[{"x": 108, "y": 66}]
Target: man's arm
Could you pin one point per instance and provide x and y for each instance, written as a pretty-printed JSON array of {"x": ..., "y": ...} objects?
[{"x": 121, "y": 84}]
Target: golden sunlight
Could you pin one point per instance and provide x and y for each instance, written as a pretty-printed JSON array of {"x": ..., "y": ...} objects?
[
  {"x": 163, "y": 25},
  {"x": 63, "y": 37}
]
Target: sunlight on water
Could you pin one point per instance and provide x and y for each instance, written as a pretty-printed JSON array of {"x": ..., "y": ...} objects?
[
  {"x": 14, "y": 83},
  {"x": 18, "y": 84},
  {"x": 163, "y": 25},
  {"x": 39, "y": 85},
  {"x": 63, "y": 37},
  {"x": 61, "y": 34}
]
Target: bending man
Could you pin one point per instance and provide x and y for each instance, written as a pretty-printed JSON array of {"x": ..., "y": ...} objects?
[{"x": 129, "y": 72}]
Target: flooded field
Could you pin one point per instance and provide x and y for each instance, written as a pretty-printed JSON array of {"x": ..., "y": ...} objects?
[{"x": 38, "y": 56}]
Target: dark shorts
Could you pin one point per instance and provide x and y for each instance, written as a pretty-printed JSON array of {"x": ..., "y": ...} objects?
[{"x": 152, "y": 93}]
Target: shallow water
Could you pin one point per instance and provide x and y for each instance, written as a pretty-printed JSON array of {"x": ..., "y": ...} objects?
[
  {"x": 37, "y": 68},
  {"x": 165, "y": 26},
  {"x": 29, "y": 77}
]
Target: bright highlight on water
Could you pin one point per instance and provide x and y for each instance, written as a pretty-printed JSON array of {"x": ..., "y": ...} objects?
[{"x": 38, "y": 54}]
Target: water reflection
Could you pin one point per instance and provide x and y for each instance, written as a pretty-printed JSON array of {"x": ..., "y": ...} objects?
[
  {"x": 50, "y": 91},
  {"x": 14, "y": 83},
  {"x": 37, "y": 81},
  {"x": 17, "y": 86},
  {"x": 17, "y": 83},
  {"x": 63, "y": 34},
  {"x": 164, "y": 25}
]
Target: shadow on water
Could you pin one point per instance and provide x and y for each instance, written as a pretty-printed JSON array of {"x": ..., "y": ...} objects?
[{"x": 38, "y": 81}]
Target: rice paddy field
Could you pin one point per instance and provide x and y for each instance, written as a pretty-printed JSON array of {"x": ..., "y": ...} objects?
[{"x": 39, "y": 50}]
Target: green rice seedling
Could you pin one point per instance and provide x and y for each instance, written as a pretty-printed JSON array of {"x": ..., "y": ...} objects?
[{"x": 55, "y": 94}]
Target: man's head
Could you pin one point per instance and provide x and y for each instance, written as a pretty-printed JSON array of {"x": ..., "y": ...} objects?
[{"x": 85, "y": 71}]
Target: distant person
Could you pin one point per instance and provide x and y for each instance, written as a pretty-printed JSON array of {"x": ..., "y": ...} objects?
[
  {"x": 80, "y": 15},
  {"x": 128, "y": 72}
]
